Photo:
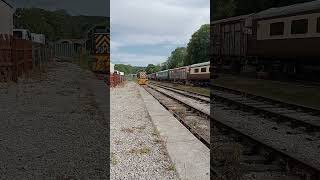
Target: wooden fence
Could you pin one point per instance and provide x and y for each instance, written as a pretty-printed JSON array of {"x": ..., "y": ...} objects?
[
  {"x": 17, "y": 57},
  {"x": 7, "y": 68}
]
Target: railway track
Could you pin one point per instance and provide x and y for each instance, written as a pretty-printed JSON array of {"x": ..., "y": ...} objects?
[
  {"x": 187, "y": 112},
  {"x": 297, "y": 115},
  {"x": 251, "y": 141}
]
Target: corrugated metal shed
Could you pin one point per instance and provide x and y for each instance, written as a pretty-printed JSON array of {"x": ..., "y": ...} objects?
[{"x": 288, "y": 10}]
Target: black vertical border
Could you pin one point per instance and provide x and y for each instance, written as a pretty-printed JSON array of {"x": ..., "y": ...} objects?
[
  {"x": 211, "y": 90},
  {"x": 108, "y": 118}
]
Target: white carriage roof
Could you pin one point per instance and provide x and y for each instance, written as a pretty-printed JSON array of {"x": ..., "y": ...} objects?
[
  {"x": 163, "y": 71},
  {"x": 201, "y": 64},
  {"x": 287, "y": 10},
  {"x": 235, "y": 18}
]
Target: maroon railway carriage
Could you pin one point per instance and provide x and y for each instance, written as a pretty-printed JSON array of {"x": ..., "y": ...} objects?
[
  {"x": 281, "y": 41},
  {"x": 179, "y": 74},
  {"x": 152, "y": 76},
  {"x": 230, "y": 41}
]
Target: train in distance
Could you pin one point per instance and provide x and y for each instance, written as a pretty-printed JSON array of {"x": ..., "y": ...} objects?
[
  {"x": 197, "y": 74},
  {"x": 142, "y": 78}
]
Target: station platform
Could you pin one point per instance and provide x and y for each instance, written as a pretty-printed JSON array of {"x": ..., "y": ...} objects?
[{"x": 190, "y": 156}]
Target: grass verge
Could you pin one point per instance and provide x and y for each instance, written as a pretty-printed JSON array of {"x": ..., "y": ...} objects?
[{"x": 306, "y": 95}]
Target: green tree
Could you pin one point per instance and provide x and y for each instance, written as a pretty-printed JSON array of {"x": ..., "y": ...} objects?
[
  {"x": 177, "y": 57},
  {"x": 165, "y": 66},
  {"x": 150, "y": 69},
  {"x": 157, "y": 68},
  {"x": 198, "y": 47},
  {"x": 128, "y": 69}
]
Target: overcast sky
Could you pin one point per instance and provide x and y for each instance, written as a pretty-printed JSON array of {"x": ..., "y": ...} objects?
[
  {"x": 75, "y": 7},
  {"x": 146, "y": 31}
]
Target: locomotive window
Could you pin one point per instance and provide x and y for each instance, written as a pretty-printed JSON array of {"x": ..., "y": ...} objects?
[
  {"x": 196, "y": 70},
  {"x": 277, "y": 29},
  {"x": 299, "y": 26},
  {"x": 203, "y": 69},
  {"x": 318, "y": 25}
]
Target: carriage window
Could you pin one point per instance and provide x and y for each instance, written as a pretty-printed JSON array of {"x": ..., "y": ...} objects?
[
  {"x": 196, "y": 70},
  {"x": 299, "y": 26},
  {"x": 203, "y": 69},
  {"x": 277, "y": 29},
  {"x": 318, "y": 25}
]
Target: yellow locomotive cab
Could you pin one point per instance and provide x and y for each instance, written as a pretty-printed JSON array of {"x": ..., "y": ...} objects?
[
  {"x": 142, "y": 78},
  {"x": 142, "y": 81}
]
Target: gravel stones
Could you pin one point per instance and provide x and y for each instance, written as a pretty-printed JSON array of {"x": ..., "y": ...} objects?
[
  {"x": 137, "y": 152},
  {"x": 52, "y": 128}
]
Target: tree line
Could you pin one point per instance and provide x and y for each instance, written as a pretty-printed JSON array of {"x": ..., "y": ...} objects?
[
  {"x": 56, "y": 24},
  {"x": 128, "y": 69}
]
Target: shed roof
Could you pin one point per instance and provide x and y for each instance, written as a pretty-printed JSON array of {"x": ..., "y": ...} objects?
[
  {"x": 288, "y": 10},
  {"x": 235, "y": 18}
]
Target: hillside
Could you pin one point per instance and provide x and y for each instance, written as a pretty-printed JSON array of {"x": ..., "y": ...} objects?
[{"x": 56, "y": 24}]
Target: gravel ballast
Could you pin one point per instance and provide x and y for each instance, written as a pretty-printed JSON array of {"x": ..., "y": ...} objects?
[
  {"x": 137, "y": 151},
  {"x": 53, "y": 127},
  {"x": 292, "y": 142}
]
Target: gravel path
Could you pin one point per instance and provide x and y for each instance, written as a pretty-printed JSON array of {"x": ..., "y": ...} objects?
[
  {"x": 137, "y": 152},
  {"x": 54, "y": 128}
]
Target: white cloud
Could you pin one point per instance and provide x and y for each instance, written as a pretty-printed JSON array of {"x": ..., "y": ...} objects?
[
  {"x": 145, "y": 22},
  {"x": 114, "y": 45}
]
